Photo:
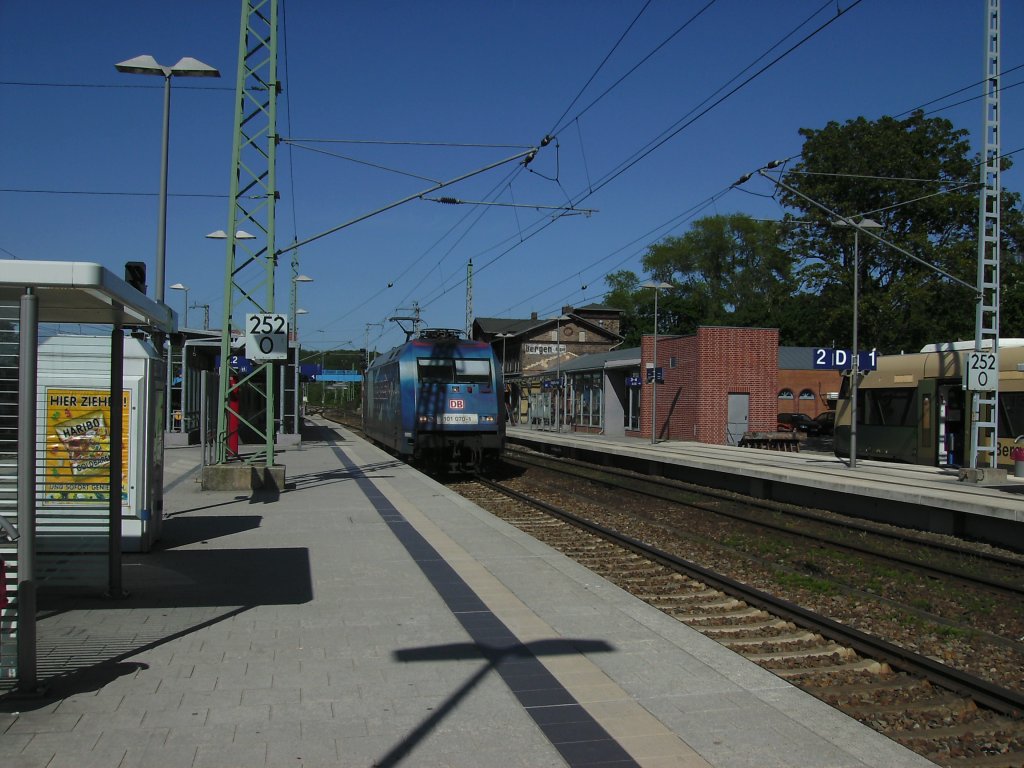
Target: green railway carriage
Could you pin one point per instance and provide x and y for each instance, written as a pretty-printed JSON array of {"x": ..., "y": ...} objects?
[{"x": 913, "y": 408}]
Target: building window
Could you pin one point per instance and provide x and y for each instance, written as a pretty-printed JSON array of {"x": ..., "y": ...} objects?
[
  {"x": 673, "y": 361},
  {"x": 786, "y": 394},
  {"x": 806, "y": 394}
]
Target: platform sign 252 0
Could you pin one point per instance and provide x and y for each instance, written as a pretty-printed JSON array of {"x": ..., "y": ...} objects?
[
  {"x": 266, "y": 337},
  {"x": 982, "y": 371}
]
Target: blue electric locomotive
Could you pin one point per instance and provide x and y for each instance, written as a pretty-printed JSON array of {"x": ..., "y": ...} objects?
[{"x": 437, "y": 400}]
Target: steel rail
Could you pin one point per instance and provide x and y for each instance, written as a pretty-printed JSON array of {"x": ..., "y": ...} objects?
[
  {"x": 981, "y": 580},
  {"x": 994, "y": 697}
]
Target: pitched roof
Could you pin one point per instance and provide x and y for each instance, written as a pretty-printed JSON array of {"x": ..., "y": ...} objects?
[
  {"x": 495, "y": 325},
  {"x": 491, "y": 326},
  {"x": 595, "y": 362}
]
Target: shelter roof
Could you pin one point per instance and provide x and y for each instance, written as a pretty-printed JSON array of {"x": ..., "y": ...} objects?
[{"x": 82, "y": 292}]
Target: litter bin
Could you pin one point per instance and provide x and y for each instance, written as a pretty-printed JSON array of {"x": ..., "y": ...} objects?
[{"x": 1017, "y": 454}]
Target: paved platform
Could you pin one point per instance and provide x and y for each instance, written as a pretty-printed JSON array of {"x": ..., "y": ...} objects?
[
  {"x": 929, "y": 498},
  {"x": 366, "y": 616}
]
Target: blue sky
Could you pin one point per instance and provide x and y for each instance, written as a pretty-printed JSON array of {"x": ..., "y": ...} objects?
[{"x": 79, "y": 160}]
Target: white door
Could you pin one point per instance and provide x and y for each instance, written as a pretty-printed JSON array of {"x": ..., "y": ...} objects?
[{"x": 738, "y": 416}]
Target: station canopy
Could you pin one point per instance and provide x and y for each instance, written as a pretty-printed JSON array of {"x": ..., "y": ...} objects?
[{"x": 82, "y": 292}]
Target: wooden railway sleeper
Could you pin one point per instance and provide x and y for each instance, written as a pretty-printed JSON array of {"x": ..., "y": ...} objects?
[
  {"x": 801, "y": 636},
  {"x": 724, "y": 631},
  {"x": 739, "y": 619},
  {"x": 938, "y": 703},
  {"x": 824, "y": 651},
  {"x": 868, "y": 666}
]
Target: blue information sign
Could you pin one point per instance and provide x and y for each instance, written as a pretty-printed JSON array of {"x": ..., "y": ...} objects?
[{"x": 842, "y": 359}]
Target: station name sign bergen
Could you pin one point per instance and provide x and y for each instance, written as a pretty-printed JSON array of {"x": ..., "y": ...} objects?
[
  {"x": 842, "y": 359},
  {"x": 266, "y": 337}
]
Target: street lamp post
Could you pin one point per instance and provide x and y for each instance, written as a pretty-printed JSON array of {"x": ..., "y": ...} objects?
[
  {"x": 206, "y": 314},
  {"x": 295, "y": 325},
  {"x": 558, "y": 372},
  {"x": 180, "y": 287},
  {"x": 220, "y": 234},
  {"x": 504, "y": 337},
  {"x": 658, "y": 287},
  {"x": 186, "y": 67},
  {"x": 855, "y": 352},
  {"x": 366, "y": 342}
]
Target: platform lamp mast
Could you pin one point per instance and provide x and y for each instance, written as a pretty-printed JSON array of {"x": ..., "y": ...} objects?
[
  {"x": 250, "y": 273},
  {"x": 366, "y": 341},
  {"x": 658, "y": 286},
  {"x": 296, "y": 279},
  {"x": 469, "y": 300}
]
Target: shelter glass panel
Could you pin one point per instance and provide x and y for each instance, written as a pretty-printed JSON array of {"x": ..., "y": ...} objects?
[
  {"x": 632, "y": 414},
  {"x": 587, "y": 393}
]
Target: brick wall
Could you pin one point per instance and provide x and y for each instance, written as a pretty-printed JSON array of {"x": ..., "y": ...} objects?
[
  {"x": 820, "y": 383},
  {"x": 709, "y": 366}
]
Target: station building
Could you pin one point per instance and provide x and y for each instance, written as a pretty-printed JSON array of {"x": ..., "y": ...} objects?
[{"x": 571, "y": 373}]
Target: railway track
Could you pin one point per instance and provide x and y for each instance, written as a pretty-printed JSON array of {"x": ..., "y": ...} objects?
[
  {"x": 932, "y": 556},
  {"x": 953, "y": 718}
]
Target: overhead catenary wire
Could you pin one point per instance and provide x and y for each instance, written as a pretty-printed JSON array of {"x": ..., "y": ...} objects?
[
  {"x": 554, "y": 130},
  {"x": 657, "y": 231},
  {"x": 678, "y": 127},
  {"x": 405, "y": 143},
  {"x": 367, "y": 163},
  {"x": 687, "y": 120},
  {"x": 632, "y": 69}
]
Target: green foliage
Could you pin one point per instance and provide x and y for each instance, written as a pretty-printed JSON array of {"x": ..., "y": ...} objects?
[
  {"x": 731, "y": 269},
  {"x": 914, "y": 176}
]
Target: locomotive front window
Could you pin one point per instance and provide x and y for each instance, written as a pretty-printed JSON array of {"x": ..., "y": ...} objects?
[
  {"x": 433, "y": 370},
  {"x": 436, "y": 371},
  {"x": 472, "y": 371}
]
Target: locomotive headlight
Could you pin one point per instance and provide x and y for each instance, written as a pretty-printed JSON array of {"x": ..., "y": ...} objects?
[
  {"x": 487, "y": 419},
  {"x": 424, "y": 419}
]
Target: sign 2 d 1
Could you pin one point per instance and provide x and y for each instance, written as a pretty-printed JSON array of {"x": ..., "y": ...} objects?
[
  {"x": 266, "y": 337},
  {"x": 842, "y": 359}
]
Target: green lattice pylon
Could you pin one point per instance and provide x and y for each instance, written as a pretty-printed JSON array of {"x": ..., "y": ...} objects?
[{"x": 251, "y": 260}]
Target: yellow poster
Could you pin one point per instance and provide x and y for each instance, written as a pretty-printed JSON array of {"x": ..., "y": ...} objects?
[{"x": 78, "y": 446}]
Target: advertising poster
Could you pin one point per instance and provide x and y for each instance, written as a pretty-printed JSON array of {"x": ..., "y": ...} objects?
[{"x": 78, "y": 446}]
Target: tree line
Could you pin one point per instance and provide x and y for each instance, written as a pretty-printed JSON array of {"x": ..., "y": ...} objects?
[{"x": 915, "y": 177}]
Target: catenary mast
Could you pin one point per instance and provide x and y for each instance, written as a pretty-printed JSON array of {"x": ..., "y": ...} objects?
[
  {"x": 250, "y": 264},
  {"x": 985, "y": 389}
]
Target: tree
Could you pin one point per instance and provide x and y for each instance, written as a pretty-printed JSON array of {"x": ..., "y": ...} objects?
[
  {"x": 730, "y": 270},
  {"x": 915, "y": 178}
]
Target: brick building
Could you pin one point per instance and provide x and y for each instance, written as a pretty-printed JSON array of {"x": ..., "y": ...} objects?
[
  {"x": 718, "y": 384},
  {"x": 802, "y": 389},
  {"x": 528, "y": 349}
]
